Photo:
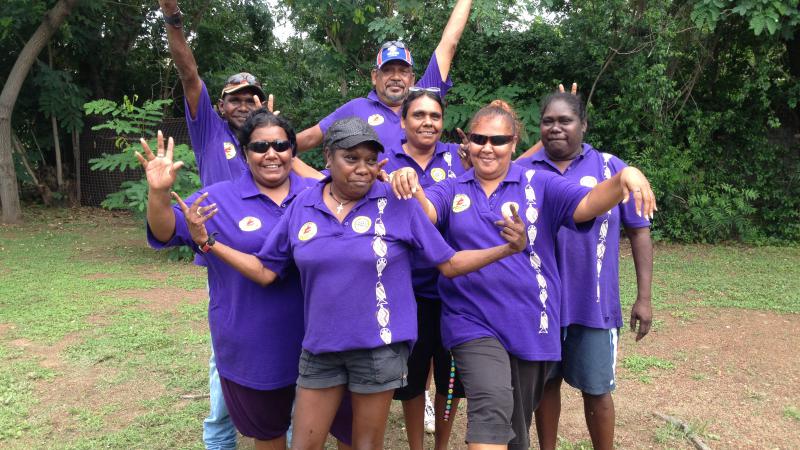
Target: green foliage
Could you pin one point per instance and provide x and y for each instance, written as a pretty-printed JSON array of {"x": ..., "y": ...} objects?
[{"x": 59, "y": 96}]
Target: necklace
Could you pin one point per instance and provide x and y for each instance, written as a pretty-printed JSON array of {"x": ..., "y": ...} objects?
[{"x": 341, "y": 204}]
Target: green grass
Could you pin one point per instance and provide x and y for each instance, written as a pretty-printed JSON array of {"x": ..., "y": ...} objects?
[{"x": 63, "y": 275}]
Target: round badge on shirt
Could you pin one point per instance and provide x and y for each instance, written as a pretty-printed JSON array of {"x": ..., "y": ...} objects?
[
  {"x": 589, "y": 181},
  {"x": 375, "y": 120},
  {"x": 505, "y": 210},
  {"x": 438, "y": 174},
  {"x": 249, "y": 223},
  {"x": 307, "y": 231},
  {"x": 230, "y": 150},
  {"x": 361, "y": 224},
  {"x": 461, "y": 203}
]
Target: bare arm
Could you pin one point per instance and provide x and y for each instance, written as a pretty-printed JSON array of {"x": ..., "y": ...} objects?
[
  {"x": 642, "y": 249},
  {"x": 446, "y": 50},
  {"x": 183, "y": 58},
  {"x": 609, "y": 193},
  {"x": 304, "y": 170},
  {"x": 529, "y": 152},
  {"x": 309, "y": 138}
]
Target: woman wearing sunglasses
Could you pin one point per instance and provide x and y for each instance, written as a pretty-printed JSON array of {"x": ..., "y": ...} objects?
[
  {"x": 353, "y": 244},
  {"x": 256, "y": 331},
  {"x": 422, "y": 118},
  {"x": 502, "y": 322}
]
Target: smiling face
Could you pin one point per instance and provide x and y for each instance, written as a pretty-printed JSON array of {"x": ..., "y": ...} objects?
[
  {"x": 353, "y": 170},
  {"x": 271, "y": 169},
  {"x": 391, "y": 82},
  {"x": 237, "y": 106},
  {"x": 491, "y": 162},
  {"x": 562, "y": 131},
  {"x": 423, "y": 122}
]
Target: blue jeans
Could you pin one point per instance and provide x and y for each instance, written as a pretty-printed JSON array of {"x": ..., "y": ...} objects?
[{"x": 218, "y": 430}]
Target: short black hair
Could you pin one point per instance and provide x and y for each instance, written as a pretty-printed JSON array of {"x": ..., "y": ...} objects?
[
  {"x": 414, "y": 95},
  {"x": 573, "y": 100},
  {"x": 261, "y": 118}
]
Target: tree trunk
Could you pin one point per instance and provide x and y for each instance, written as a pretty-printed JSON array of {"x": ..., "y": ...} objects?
[
  {"x": 9, "y": 192},
  {"x": 56, "y": 137},
  {"x": 76, "y": 153}
]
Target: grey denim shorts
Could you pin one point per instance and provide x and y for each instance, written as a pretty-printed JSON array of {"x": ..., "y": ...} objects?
[{"x": 364, "y": 371}]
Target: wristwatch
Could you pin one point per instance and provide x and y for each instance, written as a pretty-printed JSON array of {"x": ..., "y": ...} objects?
[
  {"x": 206, "y": 247},
  {"x": 175, "y": 20}
]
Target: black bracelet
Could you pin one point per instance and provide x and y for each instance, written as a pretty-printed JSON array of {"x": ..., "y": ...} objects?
[{"x": 175, "y": 20}]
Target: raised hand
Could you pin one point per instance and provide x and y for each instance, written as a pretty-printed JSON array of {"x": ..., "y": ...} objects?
[
  {"x": 169, "y": 7},
  {"x": 196, "y": 216},
  {"x": 463, "y": 150},
  {"x": 634, "y": 181},
  {"x": 160, "y": 170},
  {"x": 270, "y": 103},
  {"x": 405, "y": 183},
  {"x": 573, "y": 91},
  {"x": 514, "y": 231}
]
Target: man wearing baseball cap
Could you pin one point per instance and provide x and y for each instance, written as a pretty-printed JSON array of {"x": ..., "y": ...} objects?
[
  {"x": 216, "y": 150},
  {"x": 392, "y": 77}
]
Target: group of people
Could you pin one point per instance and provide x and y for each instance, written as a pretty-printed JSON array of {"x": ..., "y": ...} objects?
[{"x": 332, "y": 293}]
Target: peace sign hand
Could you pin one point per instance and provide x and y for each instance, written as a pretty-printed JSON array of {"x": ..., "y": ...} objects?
[
  {"x": 196, "y": 216},
  {"x": 160, "y": 170},
  {"x": 463, "y": 150}
]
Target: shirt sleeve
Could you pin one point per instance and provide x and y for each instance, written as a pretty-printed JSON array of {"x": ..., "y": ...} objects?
[
  {"x": 276, "y": 254},
  {"x": 433, "y": 78},
  {"x": 440, "y": 196},
  {"x": 562, "y": 197},
  {"x": 430, "y": 248},
  {"x": 199, "y": 127},
  {"x": 341, "y": 112},
  {"x": 181, "y": 236},
  {"x": 627, "y": 211}
]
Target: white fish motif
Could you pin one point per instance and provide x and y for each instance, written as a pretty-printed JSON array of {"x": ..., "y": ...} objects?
[
  {"x": 529, "y": 174},
  {"x": 531, "y": 234},
  {"x": 607, "y": 173},
  {"x": 535, "y": 261},
  {"x": 542, "y": 282},
  {"x": 543, "y": 296},
  {"x": 379, "y": 247},
  {"x": 604, "y": 229},
  {"x": 382, "y": 204},
  {"x": 543, "y": 323},
  {"x": 380, "y": 292},
  {"x": 531, "y": 214},
  {"x": 451, "y": 174},
  {"x": 599, "y": 266},
  {"x": 383, "y": 317},
  {"x": 380, "y": 265},
  {"x": 380, "y": 228},
  {"x": 601, "y": 250},
  {"x": 606, "y": 157},
  {"x": 386, "y": 336},
  {"x": 448, "y": 158},
  {"x": 598, "y": 292},
  {"x": 529, "y": 194}
]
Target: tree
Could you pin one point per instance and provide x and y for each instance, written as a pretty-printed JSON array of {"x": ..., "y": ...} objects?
[{"x": 9, "y": 193}]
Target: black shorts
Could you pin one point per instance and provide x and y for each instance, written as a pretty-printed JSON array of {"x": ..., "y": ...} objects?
[{"x": 429, "y": 346}]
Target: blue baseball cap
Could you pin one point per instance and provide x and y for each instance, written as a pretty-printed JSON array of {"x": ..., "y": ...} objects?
[{"x": 393, "y": 51}]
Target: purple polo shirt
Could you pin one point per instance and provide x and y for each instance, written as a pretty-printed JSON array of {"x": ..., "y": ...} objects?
[
  {"x": 580, "y": 255},
  {"x": 256, "y": 331},
  {"x": 444, "y": 164},
  {"x": 216, "y": 148},
  {"x": 385, "y": 121},
  {"x": 503, "y": 300},
  {"x": 347, "y": 303}
]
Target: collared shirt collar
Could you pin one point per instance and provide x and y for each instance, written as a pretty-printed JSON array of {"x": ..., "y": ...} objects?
[
  {"x": 513, "y": 175},
  {"x": 541, "y": 156},
  {"x": 377, "y": 190},
  {"x": 248, "y": 188},
  {"x": 374, "y": 97}
]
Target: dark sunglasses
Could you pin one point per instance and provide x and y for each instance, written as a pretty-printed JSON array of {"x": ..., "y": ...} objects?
[
  {"x": 480, "y": 139},
  {"x": 398, "y": 44},
  {"x": 263, "y": 146}
]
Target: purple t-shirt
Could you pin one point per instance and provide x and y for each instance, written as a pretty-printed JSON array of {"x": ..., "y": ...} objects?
[
  {"x": 444, "y": 164},
  {"x": 256, "y": 331},
  {"x": 385, "y": 121},
  {"x": 216, "y": 149},
  {"x": 516, "y": 299},
  {"x": 586, "y": 298},
  {"x": 355, "y": 275}
]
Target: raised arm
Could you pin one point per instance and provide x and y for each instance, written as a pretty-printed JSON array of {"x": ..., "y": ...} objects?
[
  {"x": 161, "y": 173},
  {"x": 182, "y": 55},
  {"x": 642, "y": 250},
  {"x": 446, "y": 50},
  {"x": 247, "y": 264},
  {"x": 609, "y": 193},
  {"x": 309, "y": 138}
]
